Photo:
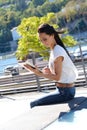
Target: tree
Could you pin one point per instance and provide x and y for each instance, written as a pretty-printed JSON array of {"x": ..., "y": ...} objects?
[
  {"x": 37, "y": 2},
  {"x": 20, "y": 4},
  {"x": 29, "y": 39},
  {"x": 5, "y": 35},
  {"x": 12, "y": 19}
]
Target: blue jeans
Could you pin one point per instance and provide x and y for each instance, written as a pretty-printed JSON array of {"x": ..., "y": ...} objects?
[{"x": 63, "y": 95}]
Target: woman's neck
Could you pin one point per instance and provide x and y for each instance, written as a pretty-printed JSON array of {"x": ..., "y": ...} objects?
[{"x": 53, "y": 45}]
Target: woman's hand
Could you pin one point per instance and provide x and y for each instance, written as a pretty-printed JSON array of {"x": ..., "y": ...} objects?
[
  {"x": 46, "y": 70},
  {"x": 33, "y": 69}
]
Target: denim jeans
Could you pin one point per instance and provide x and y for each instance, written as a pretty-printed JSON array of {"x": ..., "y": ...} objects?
[{"x": 62, "y": 95}]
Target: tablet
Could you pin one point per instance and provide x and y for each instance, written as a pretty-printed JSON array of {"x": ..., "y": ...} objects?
[
  {"x": 33, "y": 66},
  {"x": 23, "y": 63}
]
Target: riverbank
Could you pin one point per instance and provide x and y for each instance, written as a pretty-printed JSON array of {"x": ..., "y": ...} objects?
[{"x": 11, "y": 53}]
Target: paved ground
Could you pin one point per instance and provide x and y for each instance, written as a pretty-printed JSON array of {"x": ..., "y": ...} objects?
[{"x": 15, "y": 113}]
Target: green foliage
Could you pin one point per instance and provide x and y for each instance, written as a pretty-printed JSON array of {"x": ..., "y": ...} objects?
[
  {"x": 36, "y": 3},
  {"x": 29, "y": 41},
  {"x": 4, "y": 2},
  {"x": 73, "y": 12},
  {"x": 20, "y": 4},
  {"x": 69, "y": 40},
  {"x": 5, "y": 36},
  {"x": 8, "y": 20},
  {"x": 67, "y": 13},
  {"x": 44, "y": 8}
]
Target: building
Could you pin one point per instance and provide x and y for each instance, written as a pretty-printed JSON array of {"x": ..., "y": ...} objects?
[{"x": 15, "y": 34}]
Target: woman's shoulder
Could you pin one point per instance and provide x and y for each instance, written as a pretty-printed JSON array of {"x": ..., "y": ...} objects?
[
  {"x": 58, "y": 48},
  {"x": 59, "y": 51}
]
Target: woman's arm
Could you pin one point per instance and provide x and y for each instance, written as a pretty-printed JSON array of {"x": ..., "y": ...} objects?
[
  {"x": 58, "y": 70},
  {"x": 49, "y": 75}
]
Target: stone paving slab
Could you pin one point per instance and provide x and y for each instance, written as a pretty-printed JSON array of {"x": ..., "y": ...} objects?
[
  {"x": 72, "y": 120},
  {"x": 16, "y": 114}
]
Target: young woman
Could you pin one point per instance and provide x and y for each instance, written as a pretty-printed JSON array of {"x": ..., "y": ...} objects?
[{"x": 61, "y": 68}]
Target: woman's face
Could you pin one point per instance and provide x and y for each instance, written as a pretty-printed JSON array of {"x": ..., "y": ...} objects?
[{"x": 47, "y": 40}]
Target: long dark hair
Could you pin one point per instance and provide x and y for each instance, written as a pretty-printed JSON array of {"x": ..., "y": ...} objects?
[{"x": 48, "y": 29}]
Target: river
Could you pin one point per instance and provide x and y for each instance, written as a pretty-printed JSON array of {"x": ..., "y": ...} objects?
[{"x": 7, "y": 60}]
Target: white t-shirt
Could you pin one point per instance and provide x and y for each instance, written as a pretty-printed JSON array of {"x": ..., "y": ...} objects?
[{"x": 69, "y": 71}]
